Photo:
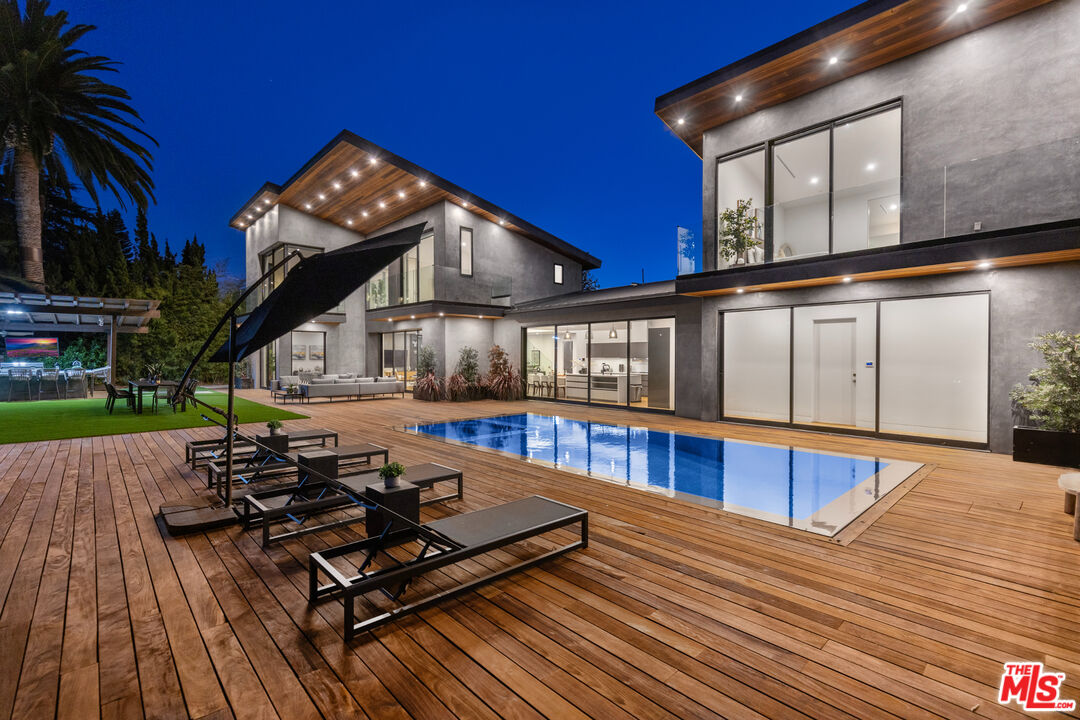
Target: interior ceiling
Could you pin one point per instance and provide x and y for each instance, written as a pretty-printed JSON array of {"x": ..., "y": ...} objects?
[{"x": 867, "y": 36}]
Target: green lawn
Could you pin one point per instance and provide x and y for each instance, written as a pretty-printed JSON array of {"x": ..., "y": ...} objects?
[{"x": 56, "y": 419}]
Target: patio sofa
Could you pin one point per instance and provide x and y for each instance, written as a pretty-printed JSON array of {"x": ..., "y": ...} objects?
[{"x": 334, "y": 386}]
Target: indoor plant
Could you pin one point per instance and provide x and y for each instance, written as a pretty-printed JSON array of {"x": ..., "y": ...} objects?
[
  {"x": 1053, "y": 401},
  {"x": 737, "y": 231},
  {"x": 274, "y": 426},
  {"x": 390, "y": 472}
]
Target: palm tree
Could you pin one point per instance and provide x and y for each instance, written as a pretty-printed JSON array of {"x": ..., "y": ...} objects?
[{"x": 57, "y": 118}]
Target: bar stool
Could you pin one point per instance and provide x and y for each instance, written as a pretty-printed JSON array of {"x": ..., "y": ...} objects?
[
  {"x": 75, "y": 373},
  {"x": 19, "y": 375}
]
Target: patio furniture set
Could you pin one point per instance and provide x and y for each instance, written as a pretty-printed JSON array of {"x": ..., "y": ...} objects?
[
  {"x": 160, "y": 390},
  {"x": 289, "y": 485},
  {"x": 34, "y": 381},
  {"x": 337, "y": 386}
]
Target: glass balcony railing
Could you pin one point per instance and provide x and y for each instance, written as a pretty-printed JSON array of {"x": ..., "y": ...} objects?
[{"x": 1027, "y": 186}]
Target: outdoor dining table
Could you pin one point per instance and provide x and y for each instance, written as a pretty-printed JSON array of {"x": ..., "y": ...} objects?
[{"x": 138, "y": 387}]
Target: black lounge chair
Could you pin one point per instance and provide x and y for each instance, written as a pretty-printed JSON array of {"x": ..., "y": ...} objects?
[
  {"x": 198, "y": 452},
  {"x": 297, "y": 503},
  {"x": 443, "y": 542},
  {"x": 266, "y": 464}
]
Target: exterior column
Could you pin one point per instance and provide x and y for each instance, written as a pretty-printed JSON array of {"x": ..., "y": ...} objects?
[{"x": 110, "y": 350}]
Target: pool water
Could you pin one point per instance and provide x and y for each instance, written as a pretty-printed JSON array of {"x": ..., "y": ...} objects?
[{"x": 807, "y": 489}]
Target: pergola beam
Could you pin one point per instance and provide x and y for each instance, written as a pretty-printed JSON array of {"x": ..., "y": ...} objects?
[{"x": 71, "y": 327}]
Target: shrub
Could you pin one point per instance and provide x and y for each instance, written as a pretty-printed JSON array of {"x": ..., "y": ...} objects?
[
  {"x": 458, "y": 388},
  {"x": 1053, "y": 397},
  {"x": 503, "y": 382},
  {"x": 468, "y": 365},
  {"x": 428, "y": 387},
  {"x": 425, "y": 361}
]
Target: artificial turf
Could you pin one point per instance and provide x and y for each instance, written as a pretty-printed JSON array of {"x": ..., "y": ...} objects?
[{"x": 57, "y": 419}]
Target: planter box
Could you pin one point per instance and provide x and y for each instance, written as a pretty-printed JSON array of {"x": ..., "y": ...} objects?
[{"x": 1049, "y": 447}]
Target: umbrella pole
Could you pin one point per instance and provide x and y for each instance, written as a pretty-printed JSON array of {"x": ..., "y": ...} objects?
[{"x": 229, "y": 426}]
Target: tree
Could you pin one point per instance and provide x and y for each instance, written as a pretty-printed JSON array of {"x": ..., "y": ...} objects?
[
  {"x": 588, "y": 282},
  {"x": 58, "y": 117}
]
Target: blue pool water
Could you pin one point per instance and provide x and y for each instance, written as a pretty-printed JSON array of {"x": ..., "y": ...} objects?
[{"x": 768, "y": 480}]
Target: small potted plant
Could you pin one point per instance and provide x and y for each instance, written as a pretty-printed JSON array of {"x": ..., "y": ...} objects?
[
  {"x": 274, "y": 426},
  {"x": 390, "y": 473}
]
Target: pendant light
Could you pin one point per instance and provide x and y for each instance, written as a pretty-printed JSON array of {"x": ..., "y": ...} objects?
[{"x": 613, "y": 334}]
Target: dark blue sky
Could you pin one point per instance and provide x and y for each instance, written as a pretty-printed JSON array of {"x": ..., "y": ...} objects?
[{"x": 543, "y": 109}]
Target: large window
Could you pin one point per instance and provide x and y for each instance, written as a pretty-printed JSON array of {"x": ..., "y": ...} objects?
[
  {"x": 741, "y": 179},
  {"x": 399, "y": 354},
  {"x": 829, "y": 189},
  {"x": 409, "y": 279},
  {"x": 917, "y": 368},
  {"x": 621, "y": 363}
]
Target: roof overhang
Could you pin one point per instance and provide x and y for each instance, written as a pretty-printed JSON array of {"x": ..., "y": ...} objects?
[
  {"x": 1032, "y": 245},
  {"x": 40, "y": 312},
  {"x": 361, "y": 186},
  {"x": 867, "y": 36},
  {"x": 435, "y": 308}
]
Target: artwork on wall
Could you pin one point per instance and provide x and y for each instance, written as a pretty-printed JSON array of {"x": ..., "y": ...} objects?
[
  {"x": 316, "y": 352},
  {"x": 299, "y": 352}
]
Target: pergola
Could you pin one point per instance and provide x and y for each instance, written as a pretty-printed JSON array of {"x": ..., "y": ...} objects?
[{"x": 40, "y": 312}]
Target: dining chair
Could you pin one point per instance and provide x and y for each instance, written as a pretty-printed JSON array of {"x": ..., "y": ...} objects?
[{"x": 114, "y": 395}]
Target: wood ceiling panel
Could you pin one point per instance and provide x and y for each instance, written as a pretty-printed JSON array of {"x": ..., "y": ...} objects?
[{"x": 892, "y": 34}]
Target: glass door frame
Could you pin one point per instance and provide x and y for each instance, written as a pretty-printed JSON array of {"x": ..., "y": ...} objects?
[
  {"x": 588, "y": 359},
  {"x": 854, "y": 431}
]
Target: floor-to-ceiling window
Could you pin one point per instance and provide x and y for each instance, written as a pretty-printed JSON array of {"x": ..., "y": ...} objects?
[
  {"x": 800, "y": 210},
  {"x": 909, "y": 367},
  {"x": 866, "y": 182},
  {"x": 409, "y": 279},
  {"x": 267, "y": 260},
  {"x": 398, "y": 355},
  {"x": 741, "y": 179},
  {"x": 540, "y": 346},
  {"x": 620, "y": 363}
]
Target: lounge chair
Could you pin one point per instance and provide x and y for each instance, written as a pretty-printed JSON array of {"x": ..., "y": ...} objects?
[
  {"x": 310, "y": 496},
  {"x": 443, "y": 542},
  {"x": 266, "y": 464},
  {"x": 199, "y": 452}
]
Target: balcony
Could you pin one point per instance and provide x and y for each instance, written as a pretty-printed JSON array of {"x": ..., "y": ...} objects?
[{"x": 1013, "y": 208}]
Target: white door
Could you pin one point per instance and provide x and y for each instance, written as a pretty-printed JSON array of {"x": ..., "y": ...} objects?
[{"x": 834, "y": 371}]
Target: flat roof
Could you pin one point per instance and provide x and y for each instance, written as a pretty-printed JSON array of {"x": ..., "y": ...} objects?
[
  {"x": 361, "y": 186},
  {"x": 869, "y": 35}
]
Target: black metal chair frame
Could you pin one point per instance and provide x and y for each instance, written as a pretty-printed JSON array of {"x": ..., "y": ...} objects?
[
  {"x": 197, "y": 452},
  {"x": 436, "y": 552},
  {"x": 113, "y": 395}
]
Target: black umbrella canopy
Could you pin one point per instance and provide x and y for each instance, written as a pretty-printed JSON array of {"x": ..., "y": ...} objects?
[{"x": 316, "y": 285}]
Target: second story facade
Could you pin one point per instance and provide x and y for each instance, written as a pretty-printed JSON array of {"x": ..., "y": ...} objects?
[{"x": 892, "y": 124}]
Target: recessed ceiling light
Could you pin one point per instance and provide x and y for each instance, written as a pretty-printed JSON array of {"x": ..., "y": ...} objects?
[
  {"x": 814, "y": 180},
  {"x": 502, "y": 222},
  {"x": 337, "y": 186},
  {"x": 349, "y": 222},
  {"x": 248, "y": 217},
  {"x": 372, "y": 161},
  {"x": 364, "y": 213},
  {"x": 423, "y": 183},
  {"x": 984, "y": 265},
  {"x": 412, "y": 317},
  {"x": 740, "y": 291},
  {"x": 442, "y": 314},
  {"x": 893, "y": 206},
  {"x": 354, "y": 172},
  {"x": 833, "y": 60},
  {"x": 682, "y": 121},
  {"x": 481, "y": 317},
  {"x": 738, "y": 98},
  {"x": 847, "y": 279},
  {"x": 464, "y": 204},
  {"x": 307, "y": 206},
  {"x": 401, "y": 194},
  {"x": 961, "y": 7},
  {"x": 382, "y": 205},
  {"x": 321, "y": 196},
  {"x": 871, "y": 167}
]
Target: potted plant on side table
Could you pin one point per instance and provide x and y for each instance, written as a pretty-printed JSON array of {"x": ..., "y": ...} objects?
[
  {"x": 391, "y": 474},
  {"x": 1053, "y": 399},
  {"x": 274, "y": 426}
]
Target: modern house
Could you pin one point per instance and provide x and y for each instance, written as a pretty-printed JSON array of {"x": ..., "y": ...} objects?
[{"x": 911, "y": 175}]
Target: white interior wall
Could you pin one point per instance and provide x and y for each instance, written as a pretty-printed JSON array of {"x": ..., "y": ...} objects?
[
  {"x": 934, "y": 366},
  {"x": 865, "y": 317},
  {"x": 756, "y": 364}
]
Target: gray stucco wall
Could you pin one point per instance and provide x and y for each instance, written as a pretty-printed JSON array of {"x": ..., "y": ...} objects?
[
  {"x": 498, "y": 253},
  {"x": 984, "y": 95},
  {"x": 1024, "y": 302}
]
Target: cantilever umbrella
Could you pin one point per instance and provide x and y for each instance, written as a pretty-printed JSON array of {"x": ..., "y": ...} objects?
[{"x": 316, "y": 285}]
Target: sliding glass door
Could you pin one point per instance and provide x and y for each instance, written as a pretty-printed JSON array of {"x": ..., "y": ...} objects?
[{"x": 399, "y": 354}]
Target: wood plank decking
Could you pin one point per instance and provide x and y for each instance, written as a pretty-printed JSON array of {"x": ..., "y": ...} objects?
[{"x": 674, "y": 611}]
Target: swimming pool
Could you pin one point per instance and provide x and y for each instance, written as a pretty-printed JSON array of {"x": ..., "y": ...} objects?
[{"x": 807, "y": 489}]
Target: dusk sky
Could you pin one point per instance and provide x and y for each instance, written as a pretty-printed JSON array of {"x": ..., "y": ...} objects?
[{"x": 545, "y": 109}]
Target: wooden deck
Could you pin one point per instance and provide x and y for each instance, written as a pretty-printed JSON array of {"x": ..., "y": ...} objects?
[{"x": 674, "y": 610}]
